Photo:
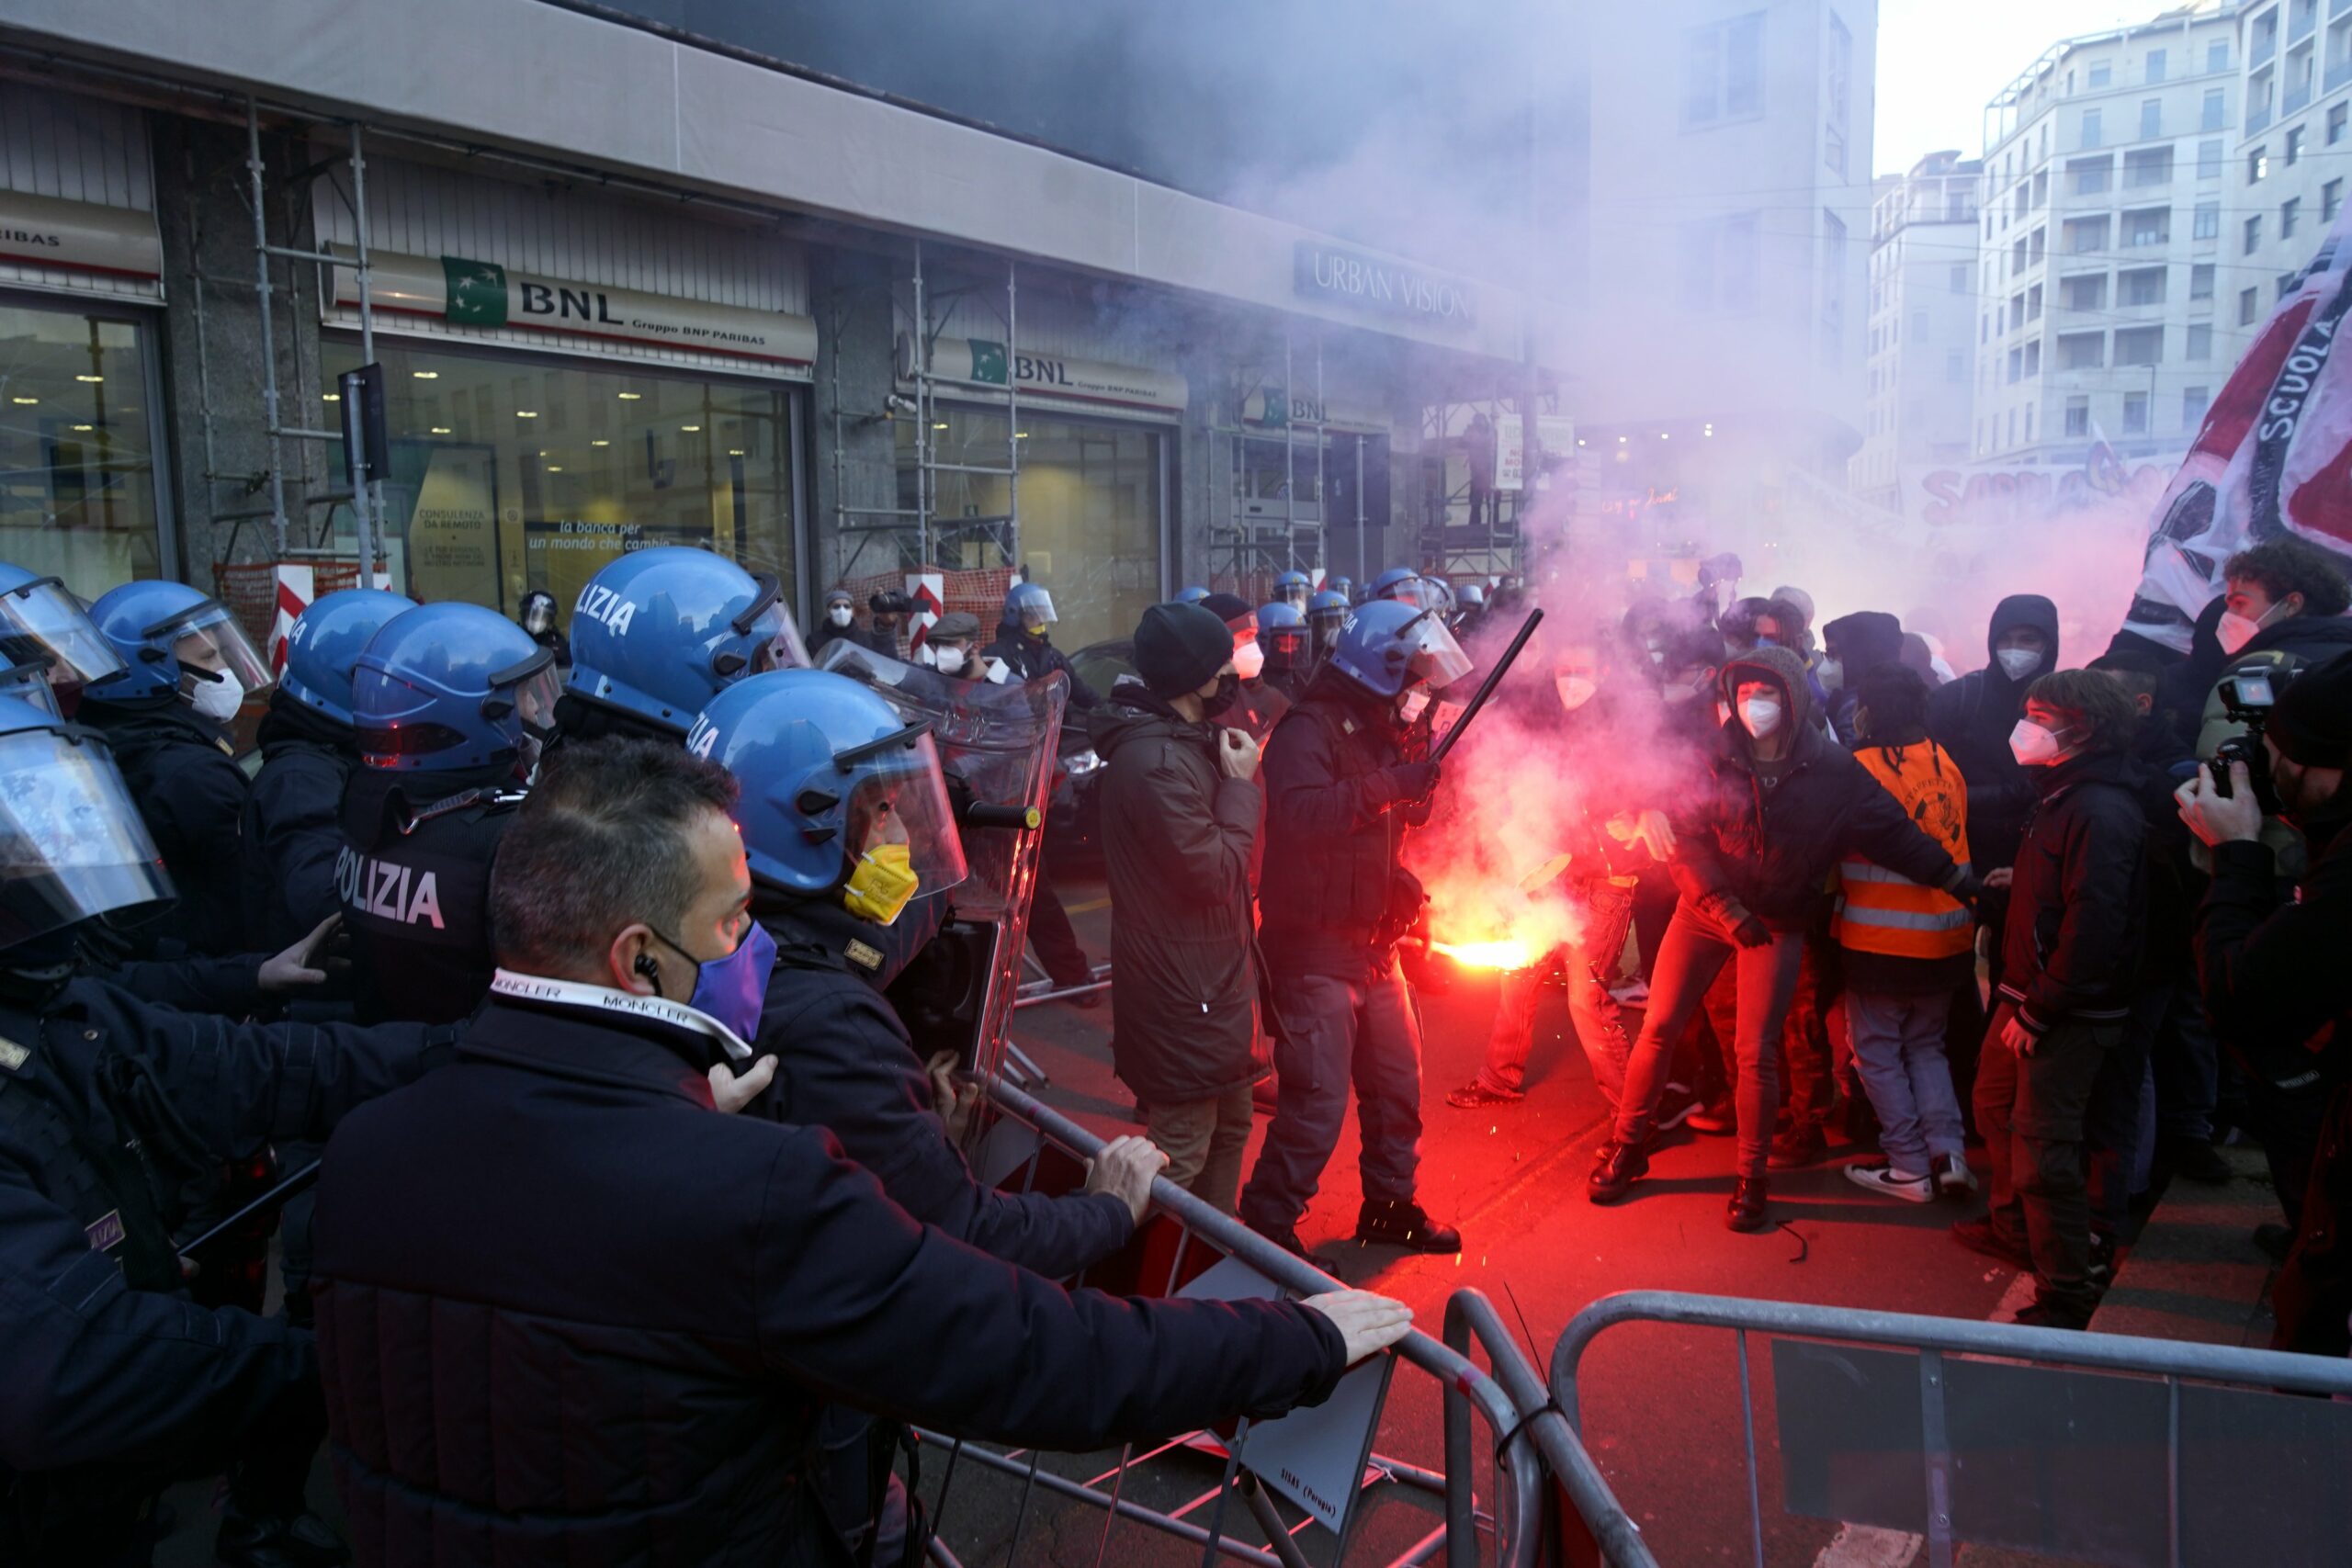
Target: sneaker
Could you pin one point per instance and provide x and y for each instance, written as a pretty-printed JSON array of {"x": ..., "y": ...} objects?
[
  {"x": 2043, "y": 1314},
  {"x": 1716, "y": 1117},
  {"x": 1953, "y": 1178},
  {"x": 1677, "y": 1106},
  {"x": 2196, "y": 1160},
  {"x": 1878, "y": 1175},
  {"x": 1633, "y": 993},
  {"x": 1614, "y": 1173},
  {"x": 1388, "y": 1222},
  {"x": 1748, "y": 1210},
  {"x": 1477, "y": 1096},
  {"x": 1800, "y": 1146},
  {"x": 2275, "y": 1240},
  {"x": 1979, "y": 1235},
  {"x": 2102, "y": 1264}
]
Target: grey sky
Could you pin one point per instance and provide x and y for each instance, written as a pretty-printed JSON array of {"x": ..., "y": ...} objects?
[{"x": 1939, "y": 61}]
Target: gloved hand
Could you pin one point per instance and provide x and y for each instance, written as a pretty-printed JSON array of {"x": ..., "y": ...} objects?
[
  {"x": 1752, "y": 932},
  {"x": 1969, "y": 890},
  {"x": 1411, "y": 781}
]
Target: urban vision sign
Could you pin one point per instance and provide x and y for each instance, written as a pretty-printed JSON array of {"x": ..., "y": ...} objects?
[{"x": 1386, "y": 288}]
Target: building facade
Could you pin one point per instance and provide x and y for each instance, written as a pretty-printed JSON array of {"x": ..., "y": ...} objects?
[
  {"x": 2287, "y": 177},
  {"x": 2105, "y": 258},
  {"x": 1921, "y": 364},
  {"x": 641, "y": 291}
]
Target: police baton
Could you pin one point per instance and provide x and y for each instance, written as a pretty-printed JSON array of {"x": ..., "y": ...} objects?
[
  {"x": 293, "y": 1186},
  {"x": 1486, "y": 687}
]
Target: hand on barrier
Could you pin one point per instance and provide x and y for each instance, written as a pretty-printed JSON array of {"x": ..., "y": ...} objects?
[
  {"x": 730, "y": 1094},
  {"x": 1237, "y": 754},
  {"x": 954, "y": 1095},
  {"x": 300, "y": 966},
  {"x": 1367, "y": 1322},
  {"x": 1124, "y": 1169}
]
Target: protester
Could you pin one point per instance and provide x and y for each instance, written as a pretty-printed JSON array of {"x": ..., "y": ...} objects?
[
  {"x": 188, "y": 668},
  {"x": 1181, "y": 814},
  {"x": 2279, "y": 988},
  {"x": 1971, "y": 719},
  {"x": 838, "y": 623},
  {"x": 1340, "y": 798},
  {"x": 1259, "y": 704},
  {"x": 730, "y": 1274},
  {"x": 1905, "y": 947},
  {"x": 954, "y": 645},
  {"x": 888, "y": 609},
  {"x": 2072, "y": 947},
  {"x": 1852, "y": 647},
  {"x": 1754, "y": 844}
]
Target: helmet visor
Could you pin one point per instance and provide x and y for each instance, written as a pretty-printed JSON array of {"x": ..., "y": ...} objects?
[
  {"x": 535, "y": 694},
  {"x": 72, "y": 844},
  {"x": 1437, "y": 660},
  {"x": 43, "y": 623},
  {"x": 903, "y": 800},
  {"x": 208, "y": 637},
  {"x": 774, "y": 636},
  {"x": 1037, "y": 609}
]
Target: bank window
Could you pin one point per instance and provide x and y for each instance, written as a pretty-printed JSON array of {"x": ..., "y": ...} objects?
[
  {"x": 1724, "y": 72},
  {"x": 79, "y": 497},
  {"x": 515, "y": 472},
  {"x": 1093, "y": 500}
]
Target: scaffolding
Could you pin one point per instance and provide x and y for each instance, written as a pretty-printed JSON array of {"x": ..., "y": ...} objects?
[
  {"x": 1257, "y": 537},
  {"x": 925, "y": 538},
  {"x": 1462, "y": 531}
]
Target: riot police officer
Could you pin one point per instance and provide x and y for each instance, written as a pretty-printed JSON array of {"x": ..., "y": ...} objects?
[
  {"x": 452, "y": 703},
  {"x": 1324, "y": 614},
  {"x": 1295, "y": 589},
  {"x": 1340, "y": 798},
  {"x": 293, "y": 819},
  {"x": 43, "y": 628},
  {"x": 118, "y": 1381},
  {"x": 1281, "y": 635},
  {"x": 1192, "y": 595},
  {"x": 538, "y": 619},
  {"x": 1025, "y": 646},
  {"x": 660, "y": 632},
  {"x": 188, "y": 667}
]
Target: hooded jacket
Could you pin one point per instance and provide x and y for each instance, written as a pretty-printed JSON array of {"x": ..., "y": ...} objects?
[
  {"x": 2077, "y": 920},
  {"x": 1178, "y": 840},
  {"x": 1748, "y": 843},
  {"x": 1971, "y": 718},
  {"x": 1863, "y": 641}
]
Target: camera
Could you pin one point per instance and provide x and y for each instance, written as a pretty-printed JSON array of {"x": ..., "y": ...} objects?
[{"x": 2248, "y": 696}]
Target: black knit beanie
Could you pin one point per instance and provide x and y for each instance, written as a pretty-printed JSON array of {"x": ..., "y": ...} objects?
[{"x": 1180, "y": 647}]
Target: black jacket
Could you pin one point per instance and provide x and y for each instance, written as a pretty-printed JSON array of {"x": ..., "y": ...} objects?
[
  {"x": 184, "y": 778},
  {"x": 1178, "y": 841},
  {"x": 2277, "y": 981},
  {"x": 293, "y": 825},
  {"x": 117, "y": 1381},
  {"x": 569, "y": 1314},
  {"x": 2077, "y": 919},
  {"x": 1034, "y": 658},
  {"x": 1337, "y": 808},
  {"x": 1972, "y": 717},
  {"x": 412, "y": 877},
  {"x": 1744, "y": 845},
  {"x": 845, "y": 1062}
]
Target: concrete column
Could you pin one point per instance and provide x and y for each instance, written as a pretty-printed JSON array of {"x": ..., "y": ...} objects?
[{"x": 851, "y": 290}]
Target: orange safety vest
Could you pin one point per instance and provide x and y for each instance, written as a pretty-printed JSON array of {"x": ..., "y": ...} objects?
[{"x": 1887, "y": 912}]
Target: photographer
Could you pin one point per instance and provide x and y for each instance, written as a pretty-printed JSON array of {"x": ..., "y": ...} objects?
[{"x": 2276, "y": 983}]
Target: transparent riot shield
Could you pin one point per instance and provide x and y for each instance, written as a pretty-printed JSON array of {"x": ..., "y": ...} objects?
[{"x": 997, "y": 743}]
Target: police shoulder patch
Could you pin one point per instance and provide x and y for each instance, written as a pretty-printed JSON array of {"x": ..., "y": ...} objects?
[
  {"x": 12, "y": 1057},
  {"x": 863, "y": 955}
]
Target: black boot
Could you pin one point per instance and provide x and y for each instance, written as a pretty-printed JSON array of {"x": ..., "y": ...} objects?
[
  {"x": 1746, "y": 1212},
  {"x": 1388, "y": 1222},
  {"x": 1614, "y": 1173},
  {"x": 301, "y": 1540}
]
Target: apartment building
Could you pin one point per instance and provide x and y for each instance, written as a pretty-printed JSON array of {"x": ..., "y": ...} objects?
[
  {"x": 2286, "y": 180},
  {"x": 1920, "y": 359},
  {"x": 2108, "y": 274}
]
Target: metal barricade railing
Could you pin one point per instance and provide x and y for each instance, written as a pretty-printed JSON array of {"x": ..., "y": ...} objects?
[
  {"x": 1986, "y": 1394},
  {"x": 1531, "y": 1437}
]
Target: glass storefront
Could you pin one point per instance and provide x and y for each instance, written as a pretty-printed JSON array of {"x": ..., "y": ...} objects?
[
  {"x": 513, "y": 473},
  {"x": 79, "y": 492},
  {"x": 1093, "y": 505}
]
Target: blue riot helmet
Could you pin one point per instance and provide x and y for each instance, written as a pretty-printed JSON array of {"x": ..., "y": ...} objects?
[
  {"x": 1473, "y": 596},
  {"x": 176, "y": 642},
  {"x": 1028, "y": 606},
  {"x": 1324, "y": 614},
  {"x": 323, "y": 650},
  {"x": 43, "y": 623},
  {"x": 1282, "y": 631},
  {"x": 1385, "y": 646},
  {"x": 658, "y": 632},
  {"x": 1344, "y": 587},
  {"x": 1192, "y": 595},
  {"x": 450, "y": 686},
  {"x": 841, "y": 795},
  {"x": 1406, "y": 586},
  {"x": 1292, "y": 588},
  {"x": 29, "y": 683},
  {"x": 72, "y": 846}
]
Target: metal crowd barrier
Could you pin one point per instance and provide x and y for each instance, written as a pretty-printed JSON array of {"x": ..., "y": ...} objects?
[
  {"x": 1533, "y": 1446},
  {"x": 2036, "y": 1440}
]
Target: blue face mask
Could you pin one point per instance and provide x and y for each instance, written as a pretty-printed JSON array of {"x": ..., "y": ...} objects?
[{"x": 733, "y": 989}]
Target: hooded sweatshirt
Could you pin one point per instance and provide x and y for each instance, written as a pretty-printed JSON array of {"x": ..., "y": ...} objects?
[
  {"x": 1763, "y": 839},
  {"x": 1863, "y": 641},
  {"x": 1972, "y": 717}
]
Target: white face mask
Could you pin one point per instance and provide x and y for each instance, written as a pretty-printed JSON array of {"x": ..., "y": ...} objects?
[
  {"x": 1575, "y": 690},
  {"x": 1760, "y": 714},
  {"x": 216, "y": 699},
  {"x": 1411, "y": 705},
  {"x": 949, "y": 658},
  {"x": 2233, "y": 631},
  {"x": 841, "y": 614},
  {"x": 1832, "y": 674},
  {"x": 2033, "y": 746},
  {"x": 2018, "y": 663},
  {"x": 1249, "y": 659}
]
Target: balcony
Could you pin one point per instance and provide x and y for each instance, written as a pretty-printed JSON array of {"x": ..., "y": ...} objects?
[
  {"x": 2306, "y": 17},
  {"x": 2257, "y": 118},
  {"x": 2341, "y": 71},
  {"x": 2297, "y": 97},
  {"x": 2338, "y": 8},
  {"x": 2265, "y": 49}
]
